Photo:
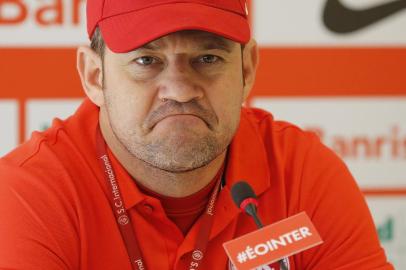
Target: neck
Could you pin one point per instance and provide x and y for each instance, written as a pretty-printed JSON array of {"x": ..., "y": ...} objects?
[{"x": 172, "y": 184}]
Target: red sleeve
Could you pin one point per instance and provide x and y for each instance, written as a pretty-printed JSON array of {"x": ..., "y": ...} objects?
[
  {"x": 36, "y": 228},
  {"x": 332, "y": 199}
]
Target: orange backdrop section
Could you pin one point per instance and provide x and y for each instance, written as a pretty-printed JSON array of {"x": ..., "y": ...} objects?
[
  {"x": 39, "y": 73},
  {"x": 331, "y": 72},
  {"x": 50, "y": 73}
]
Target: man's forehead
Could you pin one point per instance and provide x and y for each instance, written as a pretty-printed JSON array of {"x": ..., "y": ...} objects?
[{"x": 199, "y": 39}]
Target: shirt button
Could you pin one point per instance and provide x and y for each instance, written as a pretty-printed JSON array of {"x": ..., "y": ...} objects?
[{"x": 148, "y": 208}]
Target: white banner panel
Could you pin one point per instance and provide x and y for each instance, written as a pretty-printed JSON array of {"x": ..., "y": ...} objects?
[
  {"x": 390, "y": 218},
  {"x": 41, "y": 112},
  {"x": 9, "y": 125},
  {"x": 348, "y": 22},
  {"x": 368, "y": 133},
  {"x": 53, "y": 23},
  {"x": 42, "y": 23}
]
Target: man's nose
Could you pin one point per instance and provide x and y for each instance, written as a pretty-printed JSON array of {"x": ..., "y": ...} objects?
[{"x": 180, "y": 83}]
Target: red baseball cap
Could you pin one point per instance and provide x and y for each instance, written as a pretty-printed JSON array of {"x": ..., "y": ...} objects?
[{"x": 129, "y": 24}]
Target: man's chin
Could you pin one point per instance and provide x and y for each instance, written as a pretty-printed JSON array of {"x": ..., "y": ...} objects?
[
  {"x": 180, "y": 154},
  {"x": 169, "y": 165}
]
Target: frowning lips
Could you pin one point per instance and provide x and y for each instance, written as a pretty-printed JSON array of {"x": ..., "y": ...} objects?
[{"x": 174, "y": 108}]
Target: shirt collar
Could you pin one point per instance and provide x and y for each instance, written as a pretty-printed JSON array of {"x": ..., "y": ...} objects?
[
  {"x": 128, "y": 188},
  {"x": 247, "y": 158},
  {"x": 86, "y": 119}
]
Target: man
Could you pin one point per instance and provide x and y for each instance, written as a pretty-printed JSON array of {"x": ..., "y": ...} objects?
[{"x": 139, "y": 177}]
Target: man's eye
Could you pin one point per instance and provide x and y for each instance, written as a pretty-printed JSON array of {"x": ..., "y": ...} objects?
[
  {"x": 209, "y": 59},
  {"x": 146, "y": 60}
]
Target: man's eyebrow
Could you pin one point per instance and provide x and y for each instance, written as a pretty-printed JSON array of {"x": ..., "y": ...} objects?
[
  {"x": 150, "y": 46},
  {"x": 216, "y": 43}
]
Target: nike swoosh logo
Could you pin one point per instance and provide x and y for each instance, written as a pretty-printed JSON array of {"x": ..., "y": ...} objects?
[{"x": 341, "y": 19}]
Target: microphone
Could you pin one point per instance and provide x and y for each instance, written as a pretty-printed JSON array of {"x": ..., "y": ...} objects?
[{"x": 245, "y": 199}]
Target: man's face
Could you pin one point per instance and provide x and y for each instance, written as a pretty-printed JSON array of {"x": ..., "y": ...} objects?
[{"x": 175, "y": 102}]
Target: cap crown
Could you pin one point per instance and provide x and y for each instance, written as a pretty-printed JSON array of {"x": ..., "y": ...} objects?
[{"x": 98, "y": 10}]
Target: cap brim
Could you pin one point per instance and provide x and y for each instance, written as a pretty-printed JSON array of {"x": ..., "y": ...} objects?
[{"x": 126, "y": 32}]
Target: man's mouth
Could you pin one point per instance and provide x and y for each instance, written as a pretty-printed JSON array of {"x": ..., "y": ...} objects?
[
  {"x": 185, "y": 118},
  {"x": 192, "y": 112}
]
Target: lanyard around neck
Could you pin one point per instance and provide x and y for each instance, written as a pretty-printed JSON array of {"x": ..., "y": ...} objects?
[{"x": 124, "y": 221}]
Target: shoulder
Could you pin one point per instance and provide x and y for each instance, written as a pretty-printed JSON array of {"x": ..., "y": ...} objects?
[
  {"x": 281, "y": 137},
  {"x": 315, "y": 180},
  {"x": 51, "y": 151},
  {"x": 46, "y": 181},
  {"x": 298, "y": 153},
  {"x": 36, "y": 185},
  {"x": 35, "y": 171},
  {"x": 51, "y": 163},
  {"x": 266, "y": 122}
]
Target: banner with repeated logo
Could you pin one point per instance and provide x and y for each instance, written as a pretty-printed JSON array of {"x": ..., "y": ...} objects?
[{"x": 335, "y": 67}]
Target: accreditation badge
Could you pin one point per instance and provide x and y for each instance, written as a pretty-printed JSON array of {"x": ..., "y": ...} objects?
[{"x": 273, "y": 266}]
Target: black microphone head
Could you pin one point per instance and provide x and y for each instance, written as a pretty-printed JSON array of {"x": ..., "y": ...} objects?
[{"x": 241, "y": 191}]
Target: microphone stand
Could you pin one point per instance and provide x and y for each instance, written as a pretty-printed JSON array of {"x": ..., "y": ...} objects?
[{"x": 251, "y": 210}]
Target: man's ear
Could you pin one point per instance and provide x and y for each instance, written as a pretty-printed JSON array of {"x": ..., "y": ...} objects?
[
  {"x": 250, "y": 63},
  {"x": 89, "y": 66}
]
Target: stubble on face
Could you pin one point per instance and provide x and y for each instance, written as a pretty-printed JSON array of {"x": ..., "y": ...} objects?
[{"x": 180, "y": 149}]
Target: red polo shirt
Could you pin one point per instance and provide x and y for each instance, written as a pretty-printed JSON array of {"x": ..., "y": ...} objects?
[{"x": 55, "y": 213}]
